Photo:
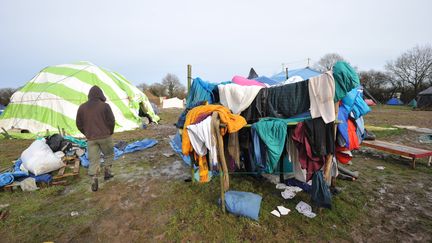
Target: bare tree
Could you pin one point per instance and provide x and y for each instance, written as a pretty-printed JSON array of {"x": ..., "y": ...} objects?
[
  {"x": 378, "y": 84},
  {"x": 142, "y": 87},
  {"x": 158, "y": 89},
  {"x": 327, "y": 61},
  {"x": 173, "y": 86},
  {"x": 5, "y": 95},
  {"x": 413, "y": 67}
]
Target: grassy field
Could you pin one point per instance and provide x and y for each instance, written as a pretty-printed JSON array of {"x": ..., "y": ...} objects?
[{"x": 148, "y": 199}]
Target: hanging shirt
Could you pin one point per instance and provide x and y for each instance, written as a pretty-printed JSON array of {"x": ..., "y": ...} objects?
[
  {"x": 321, "y": 93},
  {"x": 201, "y": 139}
]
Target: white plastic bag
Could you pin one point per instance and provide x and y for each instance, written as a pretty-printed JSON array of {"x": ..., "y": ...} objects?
[{"x": 39, "y": 159}]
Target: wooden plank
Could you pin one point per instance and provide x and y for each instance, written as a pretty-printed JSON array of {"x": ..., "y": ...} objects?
[
  {"x": 61, "y": 171},
  {"x": 77, "y": 166},
  {"x": 398, "y": 149},
  {"x": 64, "y": 175}
]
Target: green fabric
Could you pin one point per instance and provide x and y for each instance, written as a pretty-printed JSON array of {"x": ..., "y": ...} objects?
[
  {"x": 273, "y": 132},
  {"x": 345, "y": 78},
  {"x": 80, "y": 142}
]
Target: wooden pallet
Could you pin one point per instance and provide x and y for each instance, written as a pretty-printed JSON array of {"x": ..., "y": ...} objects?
[
  {"x": 71, "y": 167},
  {"x": 398, "y": 149}
]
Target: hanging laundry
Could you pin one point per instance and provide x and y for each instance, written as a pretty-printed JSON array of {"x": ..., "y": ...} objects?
[
  {"x": 233, "y": 124},
  {"x": 307, "y": 159},
  {"x": 283, "y": 101},
  {"x": 202, "y": 141},
  {"x": 346, "y": 79},
  {"x": 201, "y": 90},
  {"x": 182, "y": 117},
  {"x": 320, "y": 193},
  {"x": 246, "y": 82},
  {"x": 320, "y": 136},
  {"x": 236, "y": 97},
  {"x": 288, "y": 100},
  {"x": 273, "y": 133},
  {"x": 259, "y": 155},
  {"x": 321, "y": 93},
  {"x": 354, "y": 103}
]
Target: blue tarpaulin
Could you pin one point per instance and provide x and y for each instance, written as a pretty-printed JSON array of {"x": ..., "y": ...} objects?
[
  {"x": 132, "y": 147},
  {"x": 305, "y": 73},
  {"x": 176, "y": 145}
]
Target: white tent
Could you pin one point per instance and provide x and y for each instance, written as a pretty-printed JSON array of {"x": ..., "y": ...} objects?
[{"x": 173, "y": 103}]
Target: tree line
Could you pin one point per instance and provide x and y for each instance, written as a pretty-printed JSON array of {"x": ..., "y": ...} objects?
[{"x": 408, "y": 74}]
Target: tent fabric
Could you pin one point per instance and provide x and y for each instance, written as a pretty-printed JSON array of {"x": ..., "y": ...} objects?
[
  {"x": 172, "y": 103},
  {"x": 424, "y": 99},
  {"x": 266, "y": 80},
  {"x": 305, "y": 73},
  {"x": 252, "y": 74},
  {"x": 51, "y": 99},
  {"x": 394, "y": 101},
  {"x": 413, "y": 103}
]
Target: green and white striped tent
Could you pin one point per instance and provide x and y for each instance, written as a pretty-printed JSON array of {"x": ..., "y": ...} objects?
[{"x": 51, "y": 99}]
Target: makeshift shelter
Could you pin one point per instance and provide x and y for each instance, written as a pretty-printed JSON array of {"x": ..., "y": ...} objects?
[
  {"x": 287, "y": 128},
  {"x": 51, "y": 99},
  {"x": 172, "y": 103},
  {"x": 424, "y": 99},
  {"x": 305, "y": 73},
  {"x": 394, "y": 101}
]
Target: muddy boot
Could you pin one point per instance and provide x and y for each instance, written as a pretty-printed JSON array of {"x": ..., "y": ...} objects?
[
  {"x": 95, "y": 184},
  {"x": 107, "y": 173}
]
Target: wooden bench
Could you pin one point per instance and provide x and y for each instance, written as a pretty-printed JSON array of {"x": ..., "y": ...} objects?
[{"x": 402, "y": 150}]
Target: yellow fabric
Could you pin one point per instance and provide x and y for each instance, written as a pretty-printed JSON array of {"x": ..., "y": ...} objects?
[{"x": 233, "y": 124}]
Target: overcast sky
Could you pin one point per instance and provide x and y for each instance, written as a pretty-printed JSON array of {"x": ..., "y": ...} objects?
[{"x": 144, "y": 40}]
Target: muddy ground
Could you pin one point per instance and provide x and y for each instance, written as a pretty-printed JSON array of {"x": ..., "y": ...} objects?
[{"x": 148, "y": 199}]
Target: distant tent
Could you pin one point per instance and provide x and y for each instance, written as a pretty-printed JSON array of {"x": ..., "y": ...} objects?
[
  {"x": 305, "y": 73},
  {"x": 51, "y": 99},
  {"x": 424, "y": 99},
  {"x": 2, "y": 108},
  {"x": 413, "y": 103},
  {"x": 370, "y": 102},
  {"x": 394, "y": 101},
  {"x": 252, "y": 74},
  {"x": 173, "y": 103}
]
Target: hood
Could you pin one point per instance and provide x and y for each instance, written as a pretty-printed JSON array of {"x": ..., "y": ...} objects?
[{"x": 96, "y": 93}]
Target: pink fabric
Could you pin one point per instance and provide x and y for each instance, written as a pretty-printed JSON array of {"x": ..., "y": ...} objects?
[{"x": 246, "y": 82}]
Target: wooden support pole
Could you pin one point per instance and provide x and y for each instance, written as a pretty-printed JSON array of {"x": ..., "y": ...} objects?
[
  {"x": 329, "y": 157},
  {"x": 63, "y": 132},
  {"x": 189, "y": 77}
]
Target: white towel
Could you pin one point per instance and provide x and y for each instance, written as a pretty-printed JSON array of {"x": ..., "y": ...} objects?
[
  {"x": 201, "y": 140},
  {"x": 236, "y": 97},
  {"x": 321, "y": 94}
]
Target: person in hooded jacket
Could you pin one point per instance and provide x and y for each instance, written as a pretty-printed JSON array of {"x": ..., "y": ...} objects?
[{"x": 96, "y": 121}]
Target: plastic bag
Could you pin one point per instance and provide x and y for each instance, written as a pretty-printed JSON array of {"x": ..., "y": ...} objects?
[{"x": 39, "y": 159}]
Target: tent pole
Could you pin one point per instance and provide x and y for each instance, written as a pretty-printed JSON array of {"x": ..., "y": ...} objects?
[{"x": 286, "y": 73}]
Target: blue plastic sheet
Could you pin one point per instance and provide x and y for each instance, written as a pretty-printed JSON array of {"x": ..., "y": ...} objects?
[
  {"x": 176, "y": 145},
  {"x": 243, "y": 203},
  {"x": 6, "y": 179},
  {"x": 132, "y": 147}
]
